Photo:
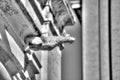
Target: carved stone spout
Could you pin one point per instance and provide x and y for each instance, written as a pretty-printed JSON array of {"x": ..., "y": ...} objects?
[
  {"x": 49, "y": 42},
  {"x": 53, "y": 41}
]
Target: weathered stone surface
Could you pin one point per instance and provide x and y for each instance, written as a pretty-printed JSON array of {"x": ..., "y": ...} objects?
[
  {"x": 18, "y": 26},
  {"x": 62, "y": 13},
  {"x": 30, "y": 9},
  {"x": 8, "y": 56},
  {"x": 17, "y": 19},
  {"x": 7, "y": 8}
]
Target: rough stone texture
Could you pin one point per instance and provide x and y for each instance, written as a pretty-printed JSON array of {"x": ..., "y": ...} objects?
[
  {"x": 50, "y": 69},
  {"x": 18, "y": 21},
  {"x": 90, "y": 40},
  {"x": 62, "y": 13},
  {"x": 3, "y": 41},
  {"x": 15, "y": 21},
  {"x": 5, "y": 45},
  {"x": 116, "y": 39},
  {"x": 5, "y": 23}
]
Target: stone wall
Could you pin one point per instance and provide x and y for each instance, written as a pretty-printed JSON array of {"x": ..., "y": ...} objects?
[{"x": 31, "y": 43}]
